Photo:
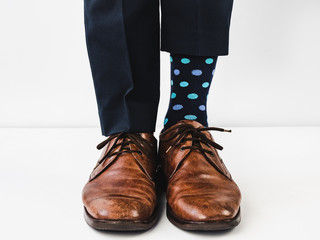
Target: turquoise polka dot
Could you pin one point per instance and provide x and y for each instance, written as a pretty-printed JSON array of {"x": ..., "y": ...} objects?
[
  {"x": 171, "y": 59},
  {"x": 209, "y": 60},
  {"x": 185, "y": 60},
  {"x": 196, "y": 72},
  {"x": 165, "y": 121},
  {"x": 213, "y": 71},
  {"x": 190, "y": 117},
  {"x": 171, "y": 82},
  {"x": 177, "y": 107},
  {"x": 173, "y": 95},
  {"x": 202, "y": 107},
  {"x": 192, "y": 96},
  {"x": 176, "y": 72},
  {"x": 205, "y": 84},
  {"x": 184, "y": 84}
]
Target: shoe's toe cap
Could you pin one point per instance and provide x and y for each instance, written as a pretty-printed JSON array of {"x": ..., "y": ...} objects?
[
  {"x": 119, "y": 208},
  {"x": 205, "y": 208}
]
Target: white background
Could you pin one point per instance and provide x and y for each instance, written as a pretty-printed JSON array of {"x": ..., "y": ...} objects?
[
  {"x": 270, "y": 78},
  {"x": 270, "y": 81}
]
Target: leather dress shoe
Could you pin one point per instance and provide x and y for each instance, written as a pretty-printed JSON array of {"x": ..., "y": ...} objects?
[
  {"x": 121, "y": 192},
  {"x": 200, "y": 192}
]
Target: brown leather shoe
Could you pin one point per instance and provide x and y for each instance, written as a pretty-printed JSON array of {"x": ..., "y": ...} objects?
[
  {"x": 201, "y": 194},
  {"x": 121, "y": 193}
]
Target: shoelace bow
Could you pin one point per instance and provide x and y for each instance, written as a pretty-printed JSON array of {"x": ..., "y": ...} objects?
[
  {"x": 197, "y": 136},
  {"x": 127, "y": 137}
]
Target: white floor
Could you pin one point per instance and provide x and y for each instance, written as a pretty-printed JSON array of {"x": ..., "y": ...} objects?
[{"x": 42, "y": 172}]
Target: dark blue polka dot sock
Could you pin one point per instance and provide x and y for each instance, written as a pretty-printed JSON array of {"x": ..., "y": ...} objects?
[{"x": 191, "y": 77}]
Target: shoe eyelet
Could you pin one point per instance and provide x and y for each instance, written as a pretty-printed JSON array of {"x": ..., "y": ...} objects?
[
  {"x": 140, "y": 152},
  {"x": 182, "y": 148}
]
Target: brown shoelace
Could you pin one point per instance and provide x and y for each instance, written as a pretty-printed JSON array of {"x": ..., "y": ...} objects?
[
  {"x": 128, "y": 137},
  {"x": 197, "y": 136}
]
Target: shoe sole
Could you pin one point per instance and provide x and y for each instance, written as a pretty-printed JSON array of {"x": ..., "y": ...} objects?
[
  {"x": 121, "y": 225},
  {"x": 205, "y": 225}
]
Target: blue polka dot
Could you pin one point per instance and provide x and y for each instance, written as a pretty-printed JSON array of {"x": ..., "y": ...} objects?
[
  {"x": 202, "y": 107},
  {"x": 171, "y": 59},
  {"x": 192, "y": 96},
  {"x": 165, "y": 121},
  {"x": 173, "y": 95},
  {"x": 213, "y": 71},
  {"x": 205, "y": 84},
  {"x": 184, "y": 84},
  {"x": 171, "y": 82},
  {"x": 176, "y": 72},
  {"x": 209, "y": 60},
  {"x": 185, "y": 60},
  {"x": 177, "y": 107},
  {"x": 196, "y": 72},
  {"x": 190, "y": 117}
]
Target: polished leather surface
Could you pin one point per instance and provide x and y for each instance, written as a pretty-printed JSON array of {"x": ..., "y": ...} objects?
[
  {"x": 199, "y": 186},
  {"x": 122, "y": 187}
]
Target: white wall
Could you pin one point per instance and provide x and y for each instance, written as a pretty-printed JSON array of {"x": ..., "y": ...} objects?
[{"x": 270, "y": 78}]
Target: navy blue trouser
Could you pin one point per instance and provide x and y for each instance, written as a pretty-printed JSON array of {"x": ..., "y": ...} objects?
[{"x": 124, "y": 42}]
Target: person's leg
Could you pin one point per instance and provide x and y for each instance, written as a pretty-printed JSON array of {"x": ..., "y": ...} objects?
[
  {"x": 123, "y": 47},
  {"x": 195, "y": 33},
  {"x": 200, "y": 192}
]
